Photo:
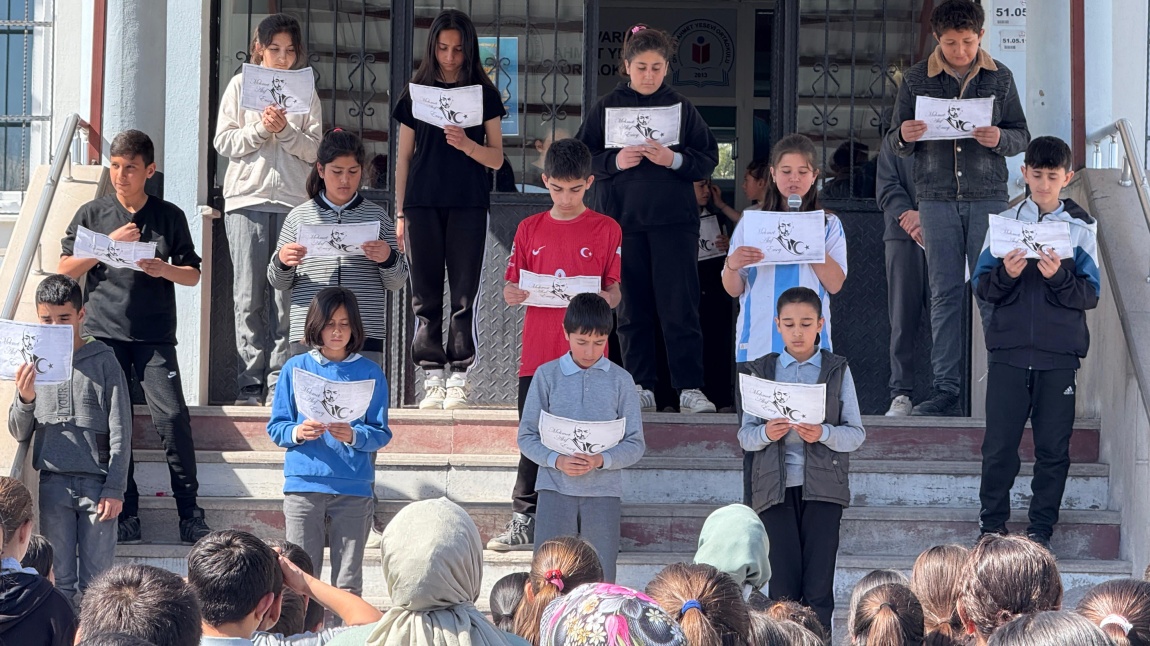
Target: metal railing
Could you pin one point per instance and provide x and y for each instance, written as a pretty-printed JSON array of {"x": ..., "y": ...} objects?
[
  {"x": 31, "y": 243},
  {"x": 1133, "y": 172}
]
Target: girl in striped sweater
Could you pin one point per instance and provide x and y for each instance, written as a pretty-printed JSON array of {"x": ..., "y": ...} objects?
[{"x": 334, "y": 200}]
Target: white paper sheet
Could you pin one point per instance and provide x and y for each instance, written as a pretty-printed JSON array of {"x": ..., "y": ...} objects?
[
  {"x": 634, "y": 126},
  {"x": 1008, "y": 234},
  {"x": 113, "y": 253},
  {"x": 48, "y": 348},
  {"x": 568, "y": 436},
  {"x": 708, "y": 233},
  {"x": 555, "y": 291},
  {"x": 769, "y": 400},
  {"x": 337, "y": 239},
  {"x": 291, "y": 90},
  {"x": 329, "y": 402},
  {"x": 952, "y": 118},
  {"x": 786, "y": 237},
  {"x": 458, "y": 106}
]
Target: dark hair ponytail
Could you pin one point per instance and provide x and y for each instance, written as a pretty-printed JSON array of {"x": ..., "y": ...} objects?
[
  {"x": 889, "y": 615},
  {"x": 640, "y": 38},
  {"x": 336, "y": 143}
]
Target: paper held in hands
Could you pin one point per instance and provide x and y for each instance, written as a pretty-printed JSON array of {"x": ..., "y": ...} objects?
[
  {"x": 330, "y": 402},
  {"x": 47, "y": 348},
  {"x": 568, "y": 436},
  {"x": 113, "y": 253},
  {"x": 291, "y": 90},
  {"x": 457, "y": 106},
  {"x": 555, "y": 291},
  {"x": 953, "y": 118},
  {"x": 634, "y": 126},
  {"x": 1008, "y": 234},
  {"x": 337, "y": 239},
  {"x": 797, "y": 237},
  {"x": 709, "y": 233},
  {"x": 767, "y": 400}
]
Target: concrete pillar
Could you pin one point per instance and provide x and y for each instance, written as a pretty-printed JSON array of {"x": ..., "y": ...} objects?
[
  {"x": 1047, "y": 100},
  {"x": 135, "y": 66},
  {"x": 186, "y": 182}
]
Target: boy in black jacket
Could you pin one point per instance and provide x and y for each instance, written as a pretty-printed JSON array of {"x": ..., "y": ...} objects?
[
  {"x": 958, "y": 182},
  {"x": 134, "y": 312},
  {"x": 1036, "y": 337}
]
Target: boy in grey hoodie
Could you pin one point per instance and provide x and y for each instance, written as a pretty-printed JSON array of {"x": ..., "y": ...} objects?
[{"x": 81, "y": 433}]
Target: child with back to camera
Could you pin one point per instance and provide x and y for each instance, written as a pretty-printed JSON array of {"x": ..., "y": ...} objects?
[
  {"x": 707, "y": 604},
  {"x": 559, "y": 566},
  {"x": 934, "y": 580}
]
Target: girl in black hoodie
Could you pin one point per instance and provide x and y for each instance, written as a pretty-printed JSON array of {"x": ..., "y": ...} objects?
[
  {"x": 648, "y": 187},
  {"x": 31, "y": 610}
]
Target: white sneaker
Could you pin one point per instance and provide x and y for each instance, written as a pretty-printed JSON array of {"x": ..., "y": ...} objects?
[
  {"x": 434, "y": 393},
  {"x": 900, "y": 407},
  {"x": 692, "y": 400},
  {"x": 456, "y": 397},
  {"x": 646, "y": 399}
]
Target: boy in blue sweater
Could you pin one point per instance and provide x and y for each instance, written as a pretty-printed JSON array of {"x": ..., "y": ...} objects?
[
  {"x": 81, "y": 432},
  {"x": 579, "y": 494},
  {"x": 1036, "y": 338},
  {"x": 329, "y": 473}
]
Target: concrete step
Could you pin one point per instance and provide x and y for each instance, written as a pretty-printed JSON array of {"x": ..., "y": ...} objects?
[
  {"x": 653, "y": 480},
  {"x": 635, "y": 569},
  {"x": 904, "y": 531},
  {"x": 492, "y": 432}
]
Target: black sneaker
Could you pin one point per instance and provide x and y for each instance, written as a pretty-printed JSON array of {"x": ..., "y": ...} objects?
[
  {"x": 940, "y": 404},
  {"x": 1000, "y": 531},
  {"x": 128, "y": 531},
  {"x": 519, "y": 535},
  {"x": 1041, "y": 539},
  {"x": 250, "y": 395},
  {"x": 194, "y": 528}
]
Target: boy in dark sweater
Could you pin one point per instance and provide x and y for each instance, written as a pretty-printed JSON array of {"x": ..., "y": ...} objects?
[
  {"x": 134, "y": 312},
  {"x": 958, "y": 182},
  {"x": 81, "y": 432},
  {"x": 1036, "y": 338}
]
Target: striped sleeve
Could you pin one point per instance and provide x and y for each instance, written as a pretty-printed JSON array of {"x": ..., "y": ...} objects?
[{"x": 394, "y": 275}]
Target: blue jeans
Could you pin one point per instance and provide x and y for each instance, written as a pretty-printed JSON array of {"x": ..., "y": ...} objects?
[
  {"x": 952, "y": 231},
  {"x": 70, "y": 523}
]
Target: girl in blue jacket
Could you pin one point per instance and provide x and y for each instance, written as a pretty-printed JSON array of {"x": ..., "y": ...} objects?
[{"x": 329, "y": 473}]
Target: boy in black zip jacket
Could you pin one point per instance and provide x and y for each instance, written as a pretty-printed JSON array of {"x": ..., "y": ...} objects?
[
  {"x": 799, "y": 472},
  {"x": 1036, "y": 337}
]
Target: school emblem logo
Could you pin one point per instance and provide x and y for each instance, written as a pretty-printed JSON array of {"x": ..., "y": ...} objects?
[{"x": 705, "y": 55}]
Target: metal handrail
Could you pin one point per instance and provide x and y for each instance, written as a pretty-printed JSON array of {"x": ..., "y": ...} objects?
[
  {"x": 1133, "y": 172},
  {"x": 31, "y": 244}
]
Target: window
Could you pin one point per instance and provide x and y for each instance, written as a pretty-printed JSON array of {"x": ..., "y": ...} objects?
[{"x": 16, "y": 123}]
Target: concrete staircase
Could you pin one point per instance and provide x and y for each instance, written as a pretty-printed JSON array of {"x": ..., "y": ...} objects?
[{"x": 914, "y": 483}]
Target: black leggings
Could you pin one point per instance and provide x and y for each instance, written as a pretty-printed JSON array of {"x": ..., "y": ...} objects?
[{"x": 451, "y": 239}]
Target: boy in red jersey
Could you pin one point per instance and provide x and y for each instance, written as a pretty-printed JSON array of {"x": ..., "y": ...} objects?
[{"x": 566, "y": 241}]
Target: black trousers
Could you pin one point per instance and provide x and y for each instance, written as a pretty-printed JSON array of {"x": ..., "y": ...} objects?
[
  {"x": 154, "y": 366},
  {"x": 439, "y": 241},
  {"x": 717, "y": 324},
  {"x": 804, "y": 539},
  {"x": 524, "y": 498},
  {"x": 1013, "y": 395},
  {"x": 908, "y": 304},
  {"x": 660, "y": 285}
]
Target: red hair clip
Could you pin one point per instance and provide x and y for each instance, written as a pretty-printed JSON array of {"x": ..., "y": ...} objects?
[
  {"x": 337, "y": 129},
  {"x": 555, "y": 578}
]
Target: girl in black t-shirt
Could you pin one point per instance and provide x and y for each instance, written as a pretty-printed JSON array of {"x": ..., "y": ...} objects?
[{"x": 442, "y": 193}]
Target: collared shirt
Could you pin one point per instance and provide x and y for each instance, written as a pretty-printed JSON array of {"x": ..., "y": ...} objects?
[
  {"x": 937, "y": 64},
  {"x": 224, "y": 641},
  {"x": 569, "y": 367},
  {"x": 338, "y": 209}
]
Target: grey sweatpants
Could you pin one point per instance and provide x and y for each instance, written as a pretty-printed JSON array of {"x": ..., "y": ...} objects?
[
  {"x": 316, "y": 519},
  {"x": 83, "y": 546},
  {"x": 262, "y": 324},
  {"x": 595, "y": 520}
]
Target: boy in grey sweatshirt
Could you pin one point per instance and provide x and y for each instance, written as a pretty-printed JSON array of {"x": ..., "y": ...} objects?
[
  {"x": 579, "y": 494},
  {"x": 81, "y": 433}
]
